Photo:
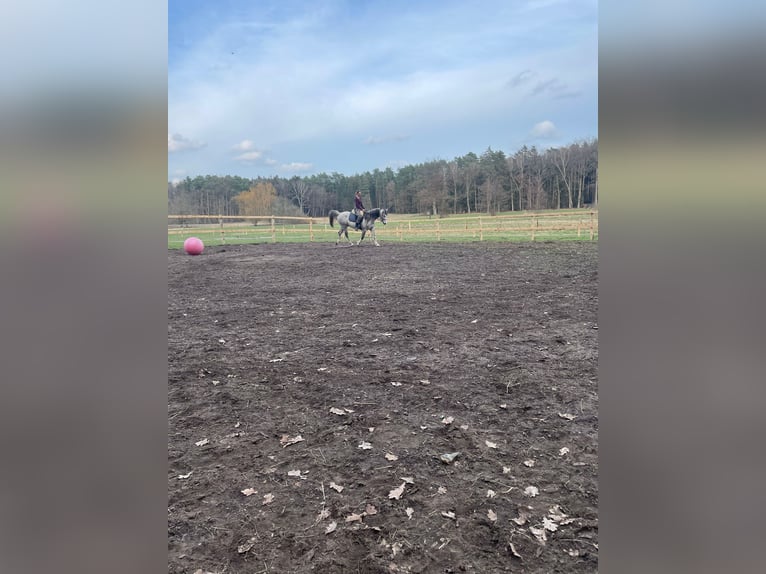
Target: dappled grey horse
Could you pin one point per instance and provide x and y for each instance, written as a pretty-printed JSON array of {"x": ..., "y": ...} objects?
[{"x": 368, "y": 223}]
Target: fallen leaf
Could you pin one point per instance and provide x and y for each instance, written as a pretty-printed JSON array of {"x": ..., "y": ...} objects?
[
  {"x": 331, "y": 527},
  {"x": 236, "y": 426},
  {"x": 221, "y": 340},
  {"x": 396, "y": 384},
  {"x": 324, "y": 514},
  {"x": 449, "y": 457},
  {"x": 276, "y": 360},
  {"x": 365, "y": 445},
  {"x": 391, "y": 457},
  {"x": 336, "y": 487},
  {"x": 425, "y": 382},
  {"x": 491, "y": 493},
  {"x": 503, "y": 406},
  {"x": 563, "y": 451},
  {"x": 450, "y": 515},
  {"x": 396, "y": 493},
  {"x": 491, "y": 515},
  {"x": 448, "y": 420},
  {"x": 423, "y": 428},
  {"x": 348, "y": 410},
  {"x": 337, "y": 411},
  {"x": 490, "y": 444},
  {"x": 441, "y": 490},
  {"x": 548, "y": 524},
  {"x": 268, "y": 498},
  {"x": 522, "y": 518},
  {"x": 246, "y": 546},
  {"x": 371, "y": 429},
  {"x": 531, "y": 491},
  {"x": 475, "y": 321},
  {"x": 297, "y": 473},
  {"x": 395, "y": 548},
  {"x": 354, "y": 517},
  {"x": 216, "y": 383},
  {"x": 464, "y": 427},
  {"x": 322, "y": 369},
  {"x": 409, "y": 512},
  {"x": 287, "y": 441},
  {"x": 513, "y": 550},
  {"x": 567, "y": 416},
  {"x": 408, "y": 479},
  {"x": 370, "y": 510},
  {"x": 539, "y": 534},
  {"x": 573, "y": 552},
  {"x": 249, "y": 491},
  {"x": 506, "y": 470},
  {"x": 554, "y": 512},
  {"x": 202, "y": 442},
  {"x": 530, "y": 463},
  {"x": 187, "y": 475}
]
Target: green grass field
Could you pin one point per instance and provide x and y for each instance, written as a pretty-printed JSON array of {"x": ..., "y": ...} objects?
[{"x": 552, "y": 225}]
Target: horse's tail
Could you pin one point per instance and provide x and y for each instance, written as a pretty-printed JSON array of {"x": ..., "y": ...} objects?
[{"x": 333, "y": 216}]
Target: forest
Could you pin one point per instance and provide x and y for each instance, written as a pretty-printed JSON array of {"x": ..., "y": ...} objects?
[{"x": 563, "y": 177}]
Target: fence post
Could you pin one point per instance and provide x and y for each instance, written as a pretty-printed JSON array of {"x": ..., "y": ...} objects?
[
  {"x": 591, "y": 226},
  {"x": 273, "y": 230},
  {"x": 220, "y": 222},
  {"x": 311, "y": 229},
  {"x": 481, "y": 231},
  {"x": 438, "y": 236}
]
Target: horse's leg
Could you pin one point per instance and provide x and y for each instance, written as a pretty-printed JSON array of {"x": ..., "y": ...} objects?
[
  {"x": 364, "y": 231},
  {"x": 374, "y": 239},
  {"x": 345, "y": 229}
]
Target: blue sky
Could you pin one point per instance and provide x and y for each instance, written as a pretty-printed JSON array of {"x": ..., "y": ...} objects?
[{"x": 263, "y": 88}]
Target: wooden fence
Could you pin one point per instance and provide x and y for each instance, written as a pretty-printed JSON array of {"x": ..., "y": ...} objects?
[{"x": 224, "y": 229}]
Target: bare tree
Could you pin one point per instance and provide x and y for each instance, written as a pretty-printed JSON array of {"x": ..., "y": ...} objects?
[
  {"x": 300, "y": 192},
  {"x": 561, "y": 158}
]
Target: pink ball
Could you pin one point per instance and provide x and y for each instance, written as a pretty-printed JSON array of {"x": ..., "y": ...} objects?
[{"x": 193, "y": 246}]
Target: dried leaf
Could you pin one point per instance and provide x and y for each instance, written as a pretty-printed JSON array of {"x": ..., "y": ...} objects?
[
  {"x": 408, "y": 479},
  {"x": 236, "y": 426},
  {"x": 475, "y": 321},
  {"x": 322, "y": 369},
  {"x": 371, "y": 429},
  {"x": 246, "y": 546},
  {"x": 396, "y": 493},
  {"x": 539, "y": 534},
  {"x": 448, "y": 420},
  {"x": 370, "y": 510},
  {"x": 287, "y": 441},
  {"x": 491, "y": 515},
  {"x": 506, "y": 470},
  {"x": 441, "y": 490},
  {"x": 567, "y": 416},
  {"x": 391, "y": 457},
  {"x": 503, "y": 406},
  {"x": 324, "y": 514},
  {"x": 513, "y": 550},
  {"x": 563, "y": 451},
  {"x": 450, "y": 515},
  {"x": 449, "y": 457},
  {"x": 409, "y": 512},
  {"x": 268, "y": 498},
  {"x": 548, "y": 524},
  {"x": 337, "y": 411},
  {"x": 395, "y": 384},
  {"x": 464, "y": 427},
  {"x": 395, "y": 548},
  {"x": 425, "y": 382},
  {"x": 491, "y": 493},
  {"x": 529, "y": 462},
  {"x": 297, "y": 473},
  {"x": 276, "y": 360},
  {"x": 336, "y": 487},
  {"x": 221, "y": 340},
  {"x": 490, "y": 444},
  {"x": 216, "y": 383},
  {"x": 365, "y": 445},
  {"x": 249, "y": 491},
  {"x": 184, "y": 476},
  {"x": 522, "y": 519},
  {"x": 202, "y": 442},
  {"x": 554, "y": 512},
  {"x": 574, "y": 553},
  {"x": 531, "y": 491},
  {"x": 354, "y": 517},
  {"x": 331, "y": 527}
]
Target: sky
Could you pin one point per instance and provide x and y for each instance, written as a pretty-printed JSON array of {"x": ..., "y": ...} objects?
[{"x": 300, "y": 87}]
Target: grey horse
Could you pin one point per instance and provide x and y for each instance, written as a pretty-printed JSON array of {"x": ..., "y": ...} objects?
[{"x": 368, "y": 223}]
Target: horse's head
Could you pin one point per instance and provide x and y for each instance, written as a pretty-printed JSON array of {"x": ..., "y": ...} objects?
[{"x": 383, "y": 216}]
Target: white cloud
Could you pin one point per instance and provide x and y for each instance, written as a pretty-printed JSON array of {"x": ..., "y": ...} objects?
[
  {"x": 270, "y": 161},
  {"x": 244, "y": 145},
  {"x": 249, "y": 156},
  {"x": 177, "y": 142},
  {"x": 296, "y": 166},
  {"x": 544, "y": 129}
]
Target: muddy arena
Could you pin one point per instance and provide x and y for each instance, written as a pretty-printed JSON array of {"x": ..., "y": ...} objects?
[{"x": 395, "y": 409}]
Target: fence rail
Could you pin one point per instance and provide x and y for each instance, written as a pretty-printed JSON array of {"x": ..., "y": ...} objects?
[{"x": 232, "y": 229}]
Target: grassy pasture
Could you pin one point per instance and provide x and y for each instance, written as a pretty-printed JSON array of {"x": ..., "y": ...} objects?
[{"x": 551, "y": 225}]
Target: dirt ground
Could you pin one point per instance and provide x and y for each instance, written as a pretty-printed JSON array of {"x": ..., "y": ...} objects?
[{"x": 382, "y": 360}]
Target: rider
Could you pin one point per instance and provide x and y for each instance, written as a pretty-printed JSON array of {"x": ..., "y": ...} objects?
[{"x": 358, "y": 209}]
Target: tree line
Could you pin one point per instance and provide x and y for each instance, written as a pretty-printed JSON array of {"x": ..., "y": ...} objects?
[{"x": 563, "y": 177}]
